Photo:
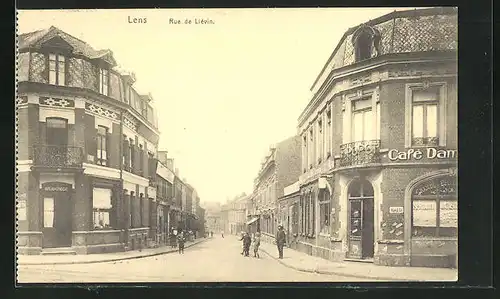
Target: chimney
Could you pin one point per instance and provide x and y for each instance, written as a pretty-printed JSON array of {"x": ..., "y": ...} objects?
[
  {"x": 170, "y": 164},
  {"x": 176, "y": 171},
  {"x": 162, "y": 156}
]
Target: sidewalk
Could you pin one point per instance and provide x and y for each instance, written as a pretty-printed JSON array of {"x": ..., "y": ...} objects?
[
  {"x": 98, "y": 258},
  {"x": 303, "y": 262}
]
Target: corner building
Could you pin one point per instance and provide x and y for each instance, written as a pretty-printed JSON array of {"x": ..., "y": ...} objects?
[
  {"x": 379, "y": 145},
  {"x": 86, "y": 140}
]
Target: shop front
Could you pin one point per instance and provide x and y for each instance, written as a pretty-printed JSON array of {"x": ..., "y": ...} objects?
[
  {"x": 57, "y": 204},
  {"x": 397, "y": 216},
  {"x": 432, "y": 220}
]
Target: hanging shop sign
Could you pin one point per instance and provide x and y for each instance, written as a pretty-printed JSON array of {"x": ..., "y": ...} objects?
[{"x": 418, "y": 154}]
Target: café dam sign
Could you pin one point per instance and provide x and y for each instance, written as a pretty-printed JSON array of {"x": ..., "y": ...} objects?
[{"x": 418, "y": 154}]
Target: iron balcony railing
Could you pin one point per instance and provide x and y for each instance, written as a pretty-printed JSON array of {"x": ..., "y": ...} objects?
[
  {"x": 359, "y": 153},
  {"x": 57, "y": 156}
]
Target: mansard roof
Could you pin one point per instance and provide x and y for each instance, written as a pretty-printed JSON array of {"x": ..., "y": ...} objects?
[
  {"x": 37, "y": 39},
  {"x": 417, "y": 30}
]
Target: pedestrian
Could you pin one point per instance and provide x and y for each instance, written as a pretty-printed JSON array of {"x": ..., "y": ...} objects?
[
  {"x": 181, "y": 239},
  {"x": 247, "y": 241},
  {"x": 280, "y": 240},
  {"x": 256, "y": 244},
  {"x": 222, "y": 233},
  {"x": 243, "y": 243},
  {"x": 211, "y": 234}
]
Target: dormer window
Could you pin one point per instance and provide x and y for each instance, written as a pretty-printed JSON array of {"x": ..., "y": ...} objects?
[
  {"x": 365, "y": 41},
  {"x": 103, "y": 81},
  {"x": 57, "y": 69},
  {"x": 363, "y": 46}
]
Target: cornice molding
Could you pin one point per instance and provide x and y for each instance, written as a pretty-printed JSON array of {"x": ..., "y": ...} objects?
[{"x": 351, "y": 71}]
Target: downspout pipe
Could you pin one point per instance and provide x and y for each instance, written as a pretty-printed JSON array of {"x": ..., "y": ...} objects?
[{"x": 125, "y": 218}]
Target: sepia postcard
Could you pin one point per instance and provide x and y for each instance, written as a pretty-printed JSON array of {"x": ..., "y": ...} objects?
[{"x": 237, "y": 145}]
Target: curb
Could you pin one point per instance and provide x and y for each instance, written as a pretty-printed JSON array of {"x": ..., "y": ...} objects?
[
  {"x": 113, "y": 259},
  {"x": 333, "y": 272}
]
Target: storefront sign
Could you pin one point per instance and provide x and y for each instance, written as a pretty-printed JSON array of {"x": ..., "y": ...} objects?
[
  {"x": 424, "y": 213},
  {"x": 418, "y": 154},
  {"x": 396, "y": 210},
  {"x": 165, "y": 173},
  {"x": 448, "y": 213},
  {"x": 56, "y": 188}
]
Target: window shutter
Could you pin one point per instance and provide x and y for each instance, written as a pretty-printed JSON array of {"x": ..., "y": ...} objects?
[
  {"x": 126, "y": 151},
  {"x": 110, "y": 153},
  {"x": 137, "y": 164},
  {"x": 90, "y": 137}
]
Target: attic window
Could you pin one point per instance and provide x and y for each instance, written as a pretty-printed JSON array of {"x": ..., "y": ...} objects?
[
  {"x": 363, "y": 46},
  {"x": 57, "y": 69},
  {"x": 365, "y": 39}
]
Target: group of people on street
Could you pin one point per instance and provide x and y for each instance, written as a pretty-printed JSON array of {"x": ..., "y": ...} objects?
[
  {"x": 255, "y": 241},
  {"x": 247, "y": 242}
]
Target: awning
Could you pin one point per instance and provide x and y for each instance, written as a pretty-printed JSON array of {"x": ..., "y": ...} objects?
[{"x": 252, "y": 221}]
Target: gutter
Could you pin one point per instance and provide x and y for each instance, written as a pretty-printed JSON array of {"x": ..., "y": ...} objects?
[{"x": 125, "y": 222}]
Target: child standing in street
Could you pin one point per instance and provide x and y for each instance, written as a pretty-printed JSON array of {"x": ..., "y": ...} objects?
[{"x": 181, "y": 240}]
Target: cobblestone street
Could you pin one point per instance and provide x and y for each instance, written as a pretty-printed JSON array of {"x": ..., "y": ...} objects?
[{"x": 217, "y": 260}]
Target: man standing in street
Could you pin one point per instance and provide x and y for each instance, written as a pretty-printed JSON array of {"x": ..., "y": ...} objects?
[{"x": 280, "y": 240}]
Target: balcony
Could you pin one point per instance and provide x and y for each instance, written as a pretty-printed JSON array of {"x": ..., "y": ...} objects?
[
  {"x": 359, "y": 153},
  {"x": 57, "y": 156}
]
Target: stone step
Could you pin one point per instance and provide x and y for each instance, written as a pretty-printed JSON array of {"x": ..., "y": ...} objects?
[
  {"x": 370, "y": 261},
  {"x": 58, "y": 251}
]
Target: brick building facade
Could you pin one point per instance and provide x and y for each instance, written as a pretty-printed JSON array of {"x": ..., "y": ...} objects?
[
  {"x": 379, "y": 145},
  {"x": 280, "y": 168},
  {"x": 84, "y": 145},
  {"x": 87, "y": 150}
]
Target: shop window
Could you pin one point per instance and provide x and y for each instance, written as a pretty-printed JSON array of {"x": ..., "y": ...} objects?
[
  {"x": 324, "y": 210},
  {"x": 141, "y": 209},
  {"x": 102, "y": 141},
  {"x": 425, "y": 114},
  {"x": 132, "y": 209},
  {"x": 103, "y": 81},
  {"x": 435, "y": 208},
  {"x": 57, "y": 69},
  {"x": 101, "y": 207},
  {"x": 48, "y": 212}
]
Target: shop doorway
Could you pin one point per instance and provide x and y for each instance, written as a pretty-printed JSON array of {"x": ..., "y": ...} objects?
[
  {"x": 57, "y": 215},
  {"x": 361, "y": 216}
]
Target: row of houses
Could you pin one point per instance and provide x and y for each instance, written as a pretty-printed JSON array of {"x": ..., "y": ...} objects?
[
  {"x": 233, "y": 215},
  {"x": 372, "y": 173},
  {"x": 90, "y": 177}
]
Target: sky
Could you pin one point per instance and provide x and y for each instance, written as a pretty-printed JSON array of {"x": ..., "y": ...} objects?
[{"x": 224, "y": 92}]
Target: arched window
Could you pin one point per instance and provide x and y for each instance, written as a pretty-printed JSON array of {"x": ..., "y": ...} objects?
[
  {"x": 363, "y": 46},
  {"x": 434, "y": 207},
  {"x": 365, "y": 40},
  {"x": 324, "y": 210}
]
